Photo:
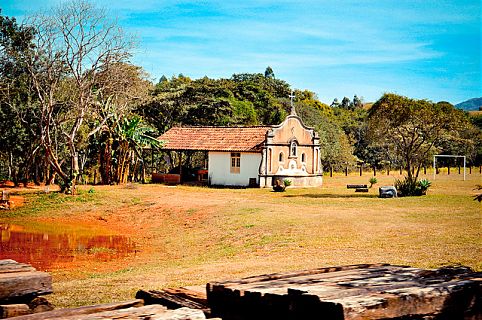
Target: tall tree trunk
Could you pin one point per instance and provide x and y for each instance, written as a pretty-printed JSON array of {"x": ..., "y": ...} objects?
[
  {"x": 106, "y": 162},
  {"x": 123, "y": 161},
  {"x": 143, "y": 175},
  {"x": 47, "y": 172},
  {"x": 408, "y": 167}
]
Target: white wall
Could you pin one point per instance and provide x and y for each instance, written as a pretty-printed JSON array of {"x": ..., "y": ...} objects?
[{"x": 220, "y": 164}]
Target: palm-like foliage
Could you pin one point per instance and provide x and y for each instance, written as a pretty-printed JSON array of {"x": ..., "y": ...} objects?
[{"x": 131, "y": 135}]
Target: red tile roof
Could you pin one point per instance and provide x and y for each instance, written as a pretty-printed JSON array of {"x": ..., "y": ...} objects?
[{"x": 247, "y": 139}]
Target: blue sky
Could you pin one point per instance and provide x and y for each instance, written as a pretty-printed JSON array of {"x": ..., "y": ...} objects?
[{"x": 428, "y": 49}]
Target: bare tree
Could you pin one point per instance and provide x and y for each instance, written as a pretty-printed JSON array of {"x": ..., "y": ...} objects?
[{"x": 73, "y": 44}]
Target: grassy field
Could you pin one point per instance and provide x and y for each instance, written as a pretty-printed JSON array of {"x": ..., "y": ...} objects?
[{"x": 193, "y": 235}]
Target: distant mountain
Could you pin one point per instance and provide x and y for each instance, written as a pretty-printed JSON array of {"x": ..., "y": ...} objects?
[{"x": 470, "y": 105}]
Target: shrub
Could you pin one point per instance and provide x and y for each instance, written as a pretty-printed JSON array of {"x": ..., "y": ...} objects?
[
  {"x": 411, "y": 187},
  {"x": 372, "y": 181},
  {"x": 424, "y": 184},
  {"x": 66, "y": 187},
  {"x": 287, "y": 182}
]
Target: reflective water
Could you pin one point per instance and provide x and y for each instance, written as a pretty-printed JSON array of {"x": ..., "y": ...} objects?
[{"x": 45, "y": 250}]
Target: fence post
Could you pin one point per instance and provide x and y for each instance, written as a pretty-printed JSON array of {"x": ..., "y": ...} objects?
[
  {"x": 448, "y": 169},
  {"x": 360, "y": 170},
  {"x": 346, "y": 171},
  {"x": 331, "y": 171}
]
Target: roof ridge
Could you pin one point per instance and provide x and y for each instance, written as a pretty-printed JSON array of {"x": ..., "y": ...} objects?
[{"x": 225, "y": 127}]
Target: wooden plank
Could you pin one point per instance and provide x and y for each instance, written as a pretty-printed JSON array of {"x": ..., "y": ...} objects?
[
  {"x": 13, "y": 310},
  {"x": 351, "y": 293},
  {"x": 60, "y": 313},
  {"x": 171, "y": 299},
  {"x": 8, "y": 265},
  {"x": 193, "y": 295},
  {"x": 157, "y": 312},
  {"x": 14, "y": 285},
  {"x": 289, "y": 275},
  {"x": 390, "y": 274}
]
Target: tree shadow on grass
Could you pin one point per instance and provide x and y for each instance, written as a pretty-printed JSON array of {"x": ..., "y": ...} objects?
[{"x": 329, "y": 195}]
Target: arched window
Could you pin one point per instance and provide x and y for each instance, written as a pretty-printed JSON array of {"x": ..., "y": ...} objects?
[
  {"x": 281, "y": 157},
  {"x": 303, "y": 157},
  {"x": 293, "y": 148}
]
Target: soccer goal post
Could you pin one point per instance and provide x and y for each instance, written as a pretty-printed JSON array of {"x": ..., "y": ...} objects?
[{"x": 445, "y": 156}]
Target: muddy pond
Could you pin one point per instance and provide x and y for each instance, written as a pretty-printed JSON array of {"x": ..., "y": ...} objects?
[{"x": 56, "y": 247}]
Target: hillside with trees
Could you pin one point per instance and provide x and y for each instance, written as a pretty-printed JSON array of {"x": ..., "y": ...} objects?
[{"x": 72, "y": 104}]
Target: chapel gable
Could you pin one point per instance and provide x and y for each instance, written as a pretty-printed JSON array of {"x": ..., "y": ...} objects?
[{"x": 293, "y": 149}]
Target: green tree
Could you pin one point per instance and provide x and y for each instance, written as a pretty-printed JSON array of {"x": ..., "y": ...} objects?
[
  {"x": 19, "y": 145},
  {"x": 119, "y": 89},
  {"x": 131, "y": 136},
  {"x": 163, "y": 79},
  {"x": 268, "y": 95},
  {"x": 357, "y": 102},
  {"x": 336, "y": 151},
  {"x": 345, "y": 103},
  {"x": 245, "y": 99},
  {"x": 335, "y": 103},
  {"x": 268, "y": 73},
  {"x": 311, "y": 110},
  {"x": 411, "y": 129}
]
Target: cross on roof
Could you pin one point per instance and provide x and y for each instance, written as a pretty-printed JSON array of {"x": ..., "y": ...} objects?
[{"x": 292, "y": 96}]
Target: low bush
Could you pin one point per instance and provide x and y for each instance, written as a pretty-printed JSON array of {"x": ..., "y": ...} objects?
[
  {"x": 424, "y": 184},
  {"x": 287, "y": 182},
  {"x": 411, "y": 187},
  {"x": 372, "y": 181}
]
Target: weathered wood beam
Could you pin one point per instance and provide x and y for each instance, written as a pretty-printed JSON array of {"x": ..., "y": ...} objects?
[
  {"x": 171, "y": 299},
  {"x": 63, "y": 313},
  {"x": 15, "y": 285},
  {"x": 157, "y": 312},
  {"x": 13, "y": 310},
  {"x": 8, "y": 265},
  {"x": 351, "y": 293}
]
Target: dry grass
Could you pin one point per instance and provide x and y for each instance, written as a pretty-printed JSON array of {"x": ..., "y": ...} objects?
[{"x": 193, "y": 235}]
